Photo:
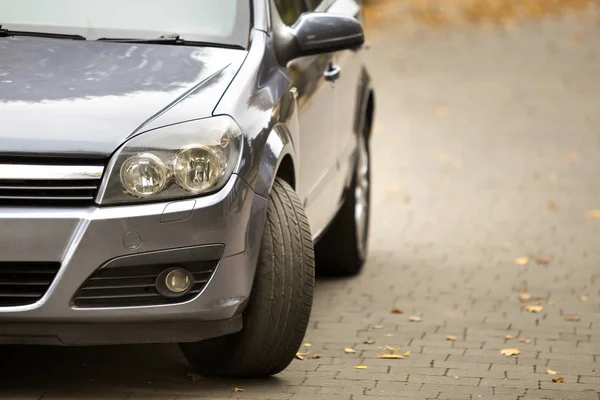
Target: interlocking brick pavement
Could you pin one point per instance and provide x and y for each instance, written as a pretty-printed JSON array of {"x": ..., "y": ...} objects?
[{"x": 485, "y": 149}]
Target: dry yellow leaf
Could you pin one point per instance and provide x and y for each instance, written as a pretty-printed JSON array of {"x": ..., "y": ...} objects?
[
  {"x": 510, "y": 352},
  {"x": 415, "y": 319},
  {"x": 523, "y": 340},
  {"x": 314, "y": 357},
  {"x": 573, "y": 318},
  {"x": 378, "y": 327},
  {"x": 396, "y": 311},
  {"x": 534, "y": 309},
  {"x": 543, "y": 260},
  {"x": 552, "y": 206},
  {"x": 307, "y": 344},
  {"x": 451, "y": 338},
  {"x": 299, "y": 356},
  {"x": 522, "y": 261},
  {"x": 584, "y": 298},
  {"x": 239, "y": 390},
  {"x": 550, "y": 372},
  {"x": 522, "y": 289},
  {"x": 370, "y": 341},
  {"x": 552, "y": 302},
  {"x": 360, "y": 367},
  {"x": 390, "y": 356},
  {"x": 348, "y": 350},
  {"x": 388, "y": 335},
  {"x": 524, "y": 297},
  {"x": 560, "y": 379},
  {"x": 509, "y": 337},
  {"x": 456, "y": 377},
  {"x": 392, "y": 349},
  {"x": 594, "y": 214},
  {"x": 407, "y": 353},
  {"x": 194, "y": 377}
]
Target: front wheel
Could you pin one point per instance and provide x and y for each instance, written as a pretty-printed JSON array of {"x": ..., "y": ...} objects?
[{"x": 278, "y": 311}]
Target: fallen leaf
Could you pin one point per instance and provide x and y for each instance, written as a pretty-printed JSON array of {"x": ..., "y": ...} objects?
[
  {"x": 396, "y": 311},
  {"x": 594, "y": 214},
  {"x": 406, "y": 353},
  {"x": 392, "y": 349},
  {"x": 194, "y": 377},
  {"x": 388, "y": 335},
  {"x": 560, "y": 379},
  {"x": 509, "y": 337},
  {"x": 552, "y": 206},
  {"x": 378, "y": 327},
  {"x": 510, "y": 352},
  {"x": 442, "y": 111},
  {"x": 415, "y": 319},
  {"x": 451, "y": 338},
  {"x": 522, "y": 261},
  {"x": 574, "y": 157},
  {"x": 522, "y": 289},
  {"x": 552, "y": 302},
  {"x": 307, "y": 344},
  {"x": 299, "y": 356},
  {"x": 584, "y": 298},
  {"x": 543, "y": 260},
  {"x": 523, "y": 340},
  {"x": 239, "y": 390},
  {"x": 524, "y": 297},
  {"x": 456, "y": 377},
  {"x": 390, "y": 356},
  {"x": 550, "y": 372},
  {"x": 360, "y": 367},
  {"x": 533, "y": 309},
  {"x": 314, "y": 357},
  {"x": 394, "y": 189},
  {"x": 573, "y": 318},
  {"x": 370, "y": 341},
  {"x": 348, "y": 350}
]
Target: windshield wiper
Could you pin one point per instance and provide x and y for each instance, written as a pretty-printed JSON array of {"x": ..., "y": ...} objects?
[
  {"x": 9, "y": 33},
  {"x": 170, "y": 39}
]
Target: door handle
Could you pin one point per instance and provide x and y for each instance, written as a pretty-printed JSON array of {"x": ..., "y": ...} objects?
[{"x": 332, "y": 73}]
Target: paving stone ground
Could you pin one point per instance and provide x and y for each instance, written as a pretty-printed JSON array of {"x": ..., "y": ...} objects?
[{"x": 485, "y": 149}]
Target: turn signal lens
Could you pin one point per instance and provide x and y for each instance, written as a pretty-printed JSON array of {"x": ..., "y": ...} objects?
[{"x": 143, "y": 175}]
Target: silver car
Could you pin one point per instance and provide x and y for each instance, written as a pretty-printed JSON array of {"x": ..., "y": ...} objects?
[{"x": 167, "y": 171}]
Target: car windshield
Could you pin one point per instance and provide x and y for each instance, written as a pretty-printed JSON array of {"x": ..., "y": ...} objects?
[{"x": 225, "y": 22}]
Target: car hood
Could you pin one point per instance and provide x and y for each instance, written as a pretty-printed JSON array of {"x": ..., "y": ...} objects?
[{"x": 86, "y": 98}]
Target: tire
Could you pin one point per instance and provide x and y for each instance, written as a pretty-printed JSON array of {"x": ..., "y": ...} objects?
[
  {"x": 277, "y": 314},
  {"x": 343, "y": 249}
]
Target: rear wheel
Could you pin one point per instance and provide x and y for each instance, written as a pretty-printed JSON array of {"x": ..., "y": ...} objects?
[
  {"x": 278, "y": 311},
  {"x": 343, "y": 248}
]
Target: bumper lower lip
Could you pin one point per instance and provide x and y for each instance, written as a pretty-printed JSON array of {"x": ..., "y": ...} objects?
[{"x": 82, "y": 240}]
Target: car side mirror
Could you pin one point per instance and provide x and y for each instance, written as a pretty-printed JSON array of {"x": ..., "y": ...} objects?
[{"x": 318, "y": 33}]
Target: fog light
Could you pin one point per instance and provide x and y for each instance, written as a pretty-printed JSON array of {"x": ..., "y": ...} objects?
[{"x": 174, "y": 282}]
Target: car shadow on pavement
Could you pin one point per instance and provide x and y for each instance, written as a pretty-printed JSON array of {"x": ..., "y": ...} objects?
[{"x": 112, "y": 372}]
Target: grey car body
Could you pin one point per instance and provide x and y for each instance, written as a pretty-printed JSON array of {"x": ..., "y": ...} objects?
[{"x": 66, "y": 108}]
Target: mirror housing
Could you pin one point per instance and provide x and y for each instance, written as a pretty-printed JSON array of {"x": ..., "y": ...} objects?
[{"x": 318, "y": 33}]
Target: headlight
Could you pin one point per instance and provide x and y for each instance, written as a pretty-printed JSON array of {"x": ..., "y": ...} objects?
[{"x": 181, "y": 160}]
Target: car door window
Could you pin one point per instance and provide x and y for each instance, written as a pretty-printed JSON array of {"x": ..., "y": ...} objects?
[{"x": 290, "y": 10}]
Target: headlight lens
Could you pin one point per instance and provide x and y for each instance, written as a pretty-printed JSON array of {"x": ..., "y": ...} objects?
[
  {"x": 143, "y": 175},
  {"x": 198, "y": 168},
  {"x": 181, "y": 160}
]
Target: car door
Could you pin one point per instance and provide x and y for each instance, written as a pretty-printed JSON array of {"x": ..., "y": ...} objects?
[
  {"x": 350, "y": 64},
  {"x": 316, "y": 117}
]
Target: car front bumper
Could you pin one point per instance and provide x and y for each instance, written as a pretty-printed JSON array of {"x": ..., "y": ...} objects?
[{"x": 83, "y": 239}]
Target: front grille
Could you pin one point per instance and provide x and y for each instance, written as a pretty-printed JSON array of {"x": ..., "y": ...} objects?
[
  {"x": 39, "y": 184},
  {"x": 48, "y": 190},
  {"x": 23, "y": 283},
  {"x": 126, "y": 286}
]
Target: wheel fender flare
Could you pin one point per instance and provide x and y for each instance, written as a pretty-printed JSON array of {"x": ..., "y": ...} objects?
[{"x": 278, "y": 145}]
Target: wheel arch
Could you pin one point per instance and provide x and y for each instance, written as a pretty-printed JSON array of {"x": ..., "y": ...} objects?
[{"x": 278, "y": 160}]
